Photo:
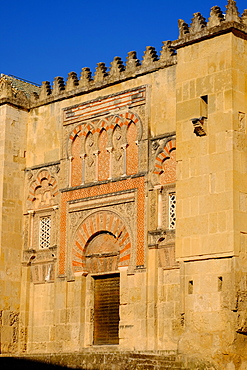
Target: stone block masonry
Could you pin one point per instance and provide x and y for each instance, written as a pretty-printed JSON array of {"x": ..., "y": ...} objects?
[{"x": 123, "y": 195}]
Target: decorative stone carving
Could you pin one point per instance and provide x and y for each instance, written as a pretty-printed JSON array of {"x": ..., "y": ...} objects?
[
  {"x": 5, "y": 89},
  {"x": 85, "y": 77},
  {"x": 150, "y": 56},
  {"x": 244, "y": 17},
  {"x": 183, "y": 29},
  {"x": 55, "y": 169},
  {"x": 118, "y": 129},
  {"x": 232, "y": 14},
  {"x": 11, "y": 93},
  {"x": 58, "y": 86},
  {"x": 160, "y": 236},
  {"x": 29, "y": 174},
  {"x": 43, "y": 193},
  {"x": 199, "y": 126},
  {"x": 167, "y": 52},
  {"x": 101, "y": 222},
  {"x": 216, "y": 17},
  {"x": 132, "y": 63},
  {"x": 45, "y": 90},
  {"x": 116, "y": 68},
  {"x": 39, "y": 255},
  {"x": 72, "y": 81},
  {"x": 198, "y": 23},
  {"x": 43, "y": 188},
  {"x": 163, "y": 162},
  {"x": 100, "y": 73}
]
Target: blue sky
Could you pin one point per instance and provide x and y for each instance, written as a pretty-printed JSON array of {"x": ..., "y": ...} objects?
[{"x": 44, "y": 39}]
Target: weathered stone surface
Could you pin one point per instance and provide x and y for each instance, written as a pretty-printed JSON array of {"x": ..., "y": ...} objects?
[{"x": 103, "y": 179}]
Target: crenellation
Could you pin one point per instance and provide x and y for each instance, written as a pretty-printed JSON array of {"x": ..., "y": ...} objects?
[
  {"x": 150, "y": 57},
  {"x": 167, "y": 52},
  {"x": 132, "y": 63},
  {"x": 184, "y": 29},
  {"x": 45, "y": 90},
  {"x": 72, "y": 81},
  {"x": 244, "y": 17},
  {"x": 198, "y": 23},
  {"x": 117, "y": 67},
  {"x": 86, "y": 78},
  {"x": 217, "y": 22},
  {"x": 100, "y": 73},
  {"x": 216, "y": 17},
  {"x": 58, "y": 86},
  {"x": 232, "y": 14}
]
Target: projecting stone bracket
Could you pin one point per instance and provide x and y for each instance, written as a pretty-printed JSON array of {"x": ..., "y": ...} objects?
[
  {"x": 199, "y": 126},
  {"x": 160, "y": 237}
]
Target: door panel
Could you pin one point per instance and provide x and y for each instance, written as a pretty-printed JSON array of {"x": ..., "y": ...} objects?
[{"x": 106, "y": 309}]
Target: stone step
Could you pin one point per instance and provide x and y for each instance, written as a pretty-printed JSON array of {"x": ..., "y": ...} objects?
[
  {"x": 114, "y": 361},
  {"x": 158, "y": 365},
  {"x": 154, "y": 356}
]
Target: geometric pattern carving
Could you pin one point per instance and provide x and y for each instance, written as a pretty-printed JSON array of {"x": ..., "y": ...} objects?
[
  {"x": 100, "y": 222},
  {"x": 106, "y": 105},
  {"x": 42, "y": 191},
  {"x": 96, "y": 146},
  {"x": 107, "y": 123},
  {"x": 45, "y": 232},
  {"x": 172, "y": 211}
]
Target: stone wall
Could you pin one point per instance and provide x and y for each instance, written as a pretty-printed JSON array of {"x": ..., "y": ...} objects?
[{"x": 138, "y": 172}]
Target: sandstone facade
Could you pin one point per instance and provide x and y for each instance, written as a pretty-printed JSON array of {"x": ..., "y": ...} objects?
[{"x": 124, "y": 206}]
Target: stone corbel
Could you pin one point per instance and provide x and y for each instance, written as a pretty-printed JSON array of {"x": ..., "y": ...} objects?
[{"x": 199, "y": 125}]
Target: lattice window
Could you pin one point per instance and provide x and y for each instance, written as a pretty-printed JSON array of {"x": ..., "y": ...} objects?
[
  {"x": 45, "y": 232},
  {"x": 172, "y": 211}
]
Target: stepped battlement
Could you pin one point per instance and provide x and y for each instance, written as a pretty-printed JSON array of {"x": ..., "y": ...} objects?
[
  {"x": 102, "y": 77},
  {"x": 218, "y": 23},
  {"x": 27, "y": 95}
]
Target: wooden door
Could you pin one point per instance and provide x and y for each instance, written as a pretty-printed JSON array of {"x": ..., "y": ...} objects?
[{"x": 106, "y": 309}]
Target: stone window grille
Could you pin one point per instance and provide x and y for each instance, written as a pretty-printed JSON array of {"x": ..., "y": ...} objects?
[
  {"x": 172, "y": 211},
  {"x": 45, "y": 232}
]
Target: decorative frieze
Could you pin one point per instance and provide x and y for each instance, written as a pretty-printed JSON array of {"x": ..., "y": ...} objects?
[{"x": 106, "y": 105}]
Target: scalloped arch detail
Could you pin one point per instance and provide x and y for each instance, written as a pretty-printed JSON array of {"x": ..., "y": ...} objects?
[
  {"x": 43, "y": 174},
  {"x": 108, "y": 123},
  {"x": 163, "y": 156}
]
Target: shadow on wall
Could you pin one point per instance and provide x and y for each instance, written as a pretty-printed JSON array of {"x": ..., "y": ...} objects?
[{"x": 9, "y": 363}]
